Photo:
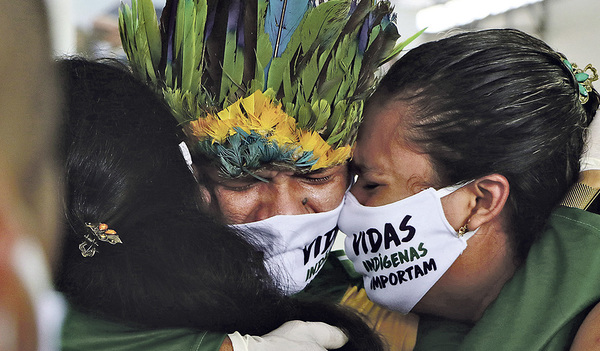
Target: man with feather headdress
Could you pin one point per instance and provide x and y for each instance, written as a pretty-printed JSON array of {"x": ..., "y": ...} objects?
[{"x": 270, "y": 95}]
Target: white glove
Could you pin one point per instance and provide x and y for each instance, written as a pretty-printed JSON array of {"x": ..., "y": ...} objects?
[
  {"x": 590, "y": 160},
  {"x": 292, "y": 336}
]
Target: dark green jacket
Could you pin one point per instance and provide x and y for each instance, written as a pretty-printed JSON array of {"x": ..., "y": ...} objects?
[{"x": 543, "y": 305}]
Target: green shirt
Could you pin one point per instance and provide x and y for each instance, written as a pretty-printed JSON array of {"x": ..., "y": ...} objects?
[
  {"x": 543, "y": 305},
  {"x": 82, "y": 331}
]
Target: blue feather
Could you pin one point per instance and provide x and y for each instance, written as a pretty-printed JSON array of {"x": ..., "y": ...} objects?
[
  {"x": 363, "y": 36},
  {"x": 210, "y": 21},
  {"x": 242, "y": 132},
  {"x": 234, "y": 14},
  {"x": 353, "y": 6},
  {"x": 282, "y": 19}
]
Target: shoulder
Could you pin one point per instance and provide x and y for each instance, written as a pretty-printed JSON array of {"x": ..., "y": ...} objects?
[
  {"x": 588, "y": 335},
  {"x": 82, "y": 331},
  {"x": 574, "y": 219}
]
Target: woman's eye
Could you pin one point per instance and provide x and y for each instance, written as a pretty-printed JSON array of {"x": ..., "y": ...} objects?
[{"x": 370, "y": 186}]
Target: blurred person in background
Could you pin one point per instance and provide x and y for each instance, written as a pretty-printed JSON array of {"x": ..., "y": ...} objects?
[{"x": 28, "y": 187}]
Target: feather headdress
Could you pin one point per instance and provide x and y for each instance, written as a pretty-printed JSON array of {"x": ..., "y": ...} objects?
[{"x": 256, "y": 82}]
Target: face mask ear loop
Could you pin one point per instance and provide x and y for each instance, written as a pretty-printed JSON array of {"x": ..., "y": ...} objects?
[
  {"x": 463, "y": 232},
  {"x": 352, "y": 181},
  {"x": 469, "y": 234},
  {"x": 452, "y": 188}
]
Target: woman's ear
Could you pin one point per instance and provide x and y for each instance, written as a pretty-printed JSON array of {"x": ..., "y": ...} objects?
[{"x": 490, "y": 193}]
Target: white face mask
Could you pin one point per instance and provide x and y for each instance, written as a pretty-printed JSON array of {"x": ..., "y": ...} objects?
[
  {"x": 402, "y": 248},
  {"x": 295, "y": 246}
]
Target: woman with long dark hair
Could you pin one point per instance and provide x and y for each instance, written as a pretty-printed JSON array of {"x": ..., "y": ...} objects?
[
  {"x": 479, "y": 139},
  {"x": 144, "y": 266}
]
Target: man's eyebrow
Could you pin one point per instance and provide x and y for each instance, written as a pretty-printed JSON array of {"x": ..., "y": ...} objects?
[
  {"x": 221, "y": 178},
  {"x": 318, "y": 171}
]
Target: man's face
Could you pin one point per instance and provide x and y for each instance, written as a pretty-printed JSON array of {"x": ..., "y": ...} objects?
[{"x": 248, "y": 199}]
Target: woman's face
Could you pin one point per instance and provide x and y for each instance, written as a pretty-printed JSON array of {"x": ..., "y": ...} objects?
[{"x": 390, "y": 169}]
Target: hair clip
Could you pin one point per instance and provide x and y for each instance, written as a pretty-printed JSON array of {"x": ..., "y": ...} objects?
[
  {"x": 583, "y": 79},
  {"x": 99, "y": 231}
]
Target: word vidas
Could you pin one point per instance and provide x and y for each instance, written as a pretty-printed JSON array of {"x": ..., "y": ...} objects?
[{"x": 372, "y": 237}]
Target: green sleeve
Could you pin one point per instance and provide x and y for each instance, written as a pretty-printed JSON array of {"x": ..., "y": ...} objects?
[
  {"x": 333, "y": 279},
  {"x": 84, "y": 332}
]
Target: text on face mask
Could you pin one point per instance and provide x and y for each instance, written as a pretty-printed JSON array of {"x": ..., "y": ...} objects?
[
  {"x": 315, "y": 245},
  {"x": 315, "y": 248},
  {"x": 395, "y": 259},
  {"x": 372, "y": 237},
  {"x": 410, "y": 273}
]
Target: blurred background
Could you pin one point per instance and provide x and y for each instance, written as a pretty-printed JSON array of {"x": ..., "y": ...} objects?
[{"x": 89, "y": 27}]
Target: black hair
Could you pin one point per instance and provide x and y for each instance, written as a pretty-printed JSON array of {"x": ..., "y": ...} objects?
[
  {"x": 496, "y": 101},
  {"x": 176, "y": 266}
]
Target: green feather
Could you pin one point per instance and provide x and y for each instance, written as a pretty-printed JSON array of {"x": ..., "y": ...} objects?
[
  {"x": 228, "y": 64},
  {"x": 304, "y": 116},
  {"x": 263, "y": 49},
  {"x": 322, "y": 110},
  {"x": 373, "y": 35},
  {"x": 188, "y": 50},
  {"x": 150, "y": 23},
  {"x": 200, "y": 23},
  {"x": 143, "y": 51},
  {"x": 125, "y": 28},
  {"x": 288, "y": 88},
  {"x": 400, "y": 46},
  {"x": 276, "y": 73},
  {"x": 309, "y": 75},
  {"x": 179, "y": 32},
  {"x": 337, "y": 118}
]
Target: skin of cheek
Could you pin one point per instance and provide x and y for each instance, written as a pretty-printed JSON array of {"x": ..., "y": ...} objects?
[{"x": 474, "y": 280}]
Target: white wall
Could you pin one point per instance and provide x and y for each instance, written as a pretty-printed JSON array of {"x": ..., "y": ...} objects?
[
  {"x": 571, "y": 26},
  {"x": 574, "y": 29}
]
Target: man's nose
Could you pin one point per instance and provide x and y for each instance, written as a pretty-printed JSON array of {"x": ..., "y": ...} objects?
[{"x": 281, "y": 199}]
